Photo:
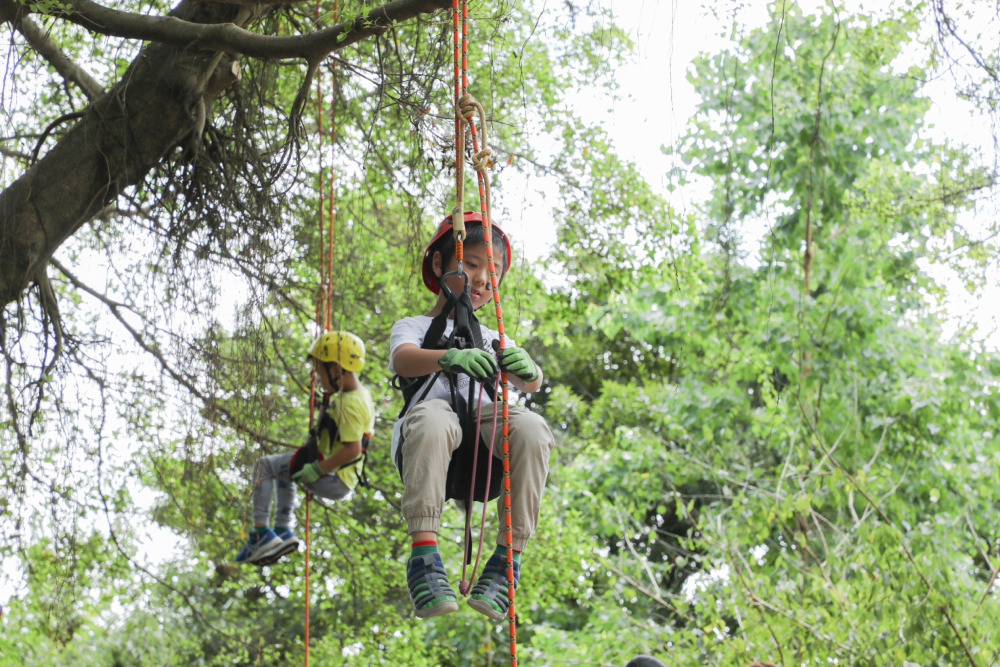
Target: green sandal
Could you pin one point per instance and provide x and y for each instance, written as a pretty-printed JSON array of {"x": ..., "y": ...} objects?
[
  {"x": 430, "y": 591},
  {"x": 489, "y": 595}
]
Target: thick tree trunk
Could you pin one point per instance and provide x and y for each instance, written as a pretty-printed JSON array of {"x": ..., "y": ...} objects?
[
  {"x": 121, "y": 137},
  {"x": 126, "y": 133}
]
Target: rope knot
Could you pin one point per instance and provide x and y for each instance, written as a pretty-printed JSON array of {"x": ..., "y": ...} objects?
[
  {"x": 468, "y": 107},
  {"x": 483, "y": 160}
]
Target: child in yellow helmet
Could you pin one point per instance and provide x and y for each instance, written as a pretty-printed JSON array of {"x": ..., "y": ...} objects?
[
  {"x": 329, "y": 464},
  {"x": 430, "y": 430}
]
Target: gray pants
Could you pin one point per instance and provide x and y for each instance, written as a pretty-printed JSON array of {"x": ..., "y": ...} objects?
[
  {"x": 431, "y": 434},
  {"x": 272, "y": 471}
]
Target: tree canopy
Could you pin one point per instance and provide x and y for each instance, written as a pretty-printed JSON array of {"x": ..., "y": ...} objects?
[{"x": 769, "y": 448}]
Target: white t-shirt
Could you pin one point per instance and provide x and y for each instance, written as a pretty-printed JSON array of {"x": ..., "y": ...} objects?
[{"x": 412, "y": 330}]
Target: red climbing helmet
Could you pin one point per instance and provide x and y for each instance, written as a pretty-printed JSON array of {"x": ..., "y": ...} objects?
[{"x": 446, "y": 227}]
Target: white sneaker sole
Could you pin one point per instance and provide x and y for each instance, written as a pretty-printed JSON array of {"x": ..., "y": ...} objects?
[
  {"x": 267, "y": 552},
  {"x": 285, "y": 548}
]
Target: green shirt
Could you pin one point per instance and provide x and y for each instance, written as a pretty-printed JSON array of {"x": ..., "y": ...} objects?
[{"x": 354, "y": 412}]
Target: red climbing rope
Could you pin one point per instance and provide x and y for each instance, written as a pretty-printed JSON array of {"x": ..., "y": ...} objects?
[
  {"x": 466, "y": 111},
  {"x": 307, "y": 579}
]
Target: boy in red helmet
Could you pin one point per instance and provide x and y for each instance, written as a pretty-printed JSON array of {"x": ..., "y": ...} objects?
[{"x": 429, "y": 431}]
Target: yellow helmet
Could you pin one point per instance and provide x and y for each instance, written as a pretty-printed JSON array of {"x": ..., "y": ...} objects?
[{"x": 341, "y": 347}]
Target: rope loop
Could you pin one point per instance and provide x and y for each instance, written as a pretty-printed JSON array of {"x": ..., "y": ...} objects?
[{"x": 470, "y": 109}]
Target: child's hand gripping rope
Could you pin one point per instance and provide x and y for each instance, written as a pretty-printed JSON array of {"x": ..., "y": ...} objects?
[{"x": 516, "y": 361}]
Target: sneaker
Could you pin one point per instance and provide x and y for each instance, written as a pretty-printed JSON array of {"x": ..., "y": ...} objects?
[
  {"x": 259, "y": 546},
  {"x": 430, "y": 591},
  {"x": 289, "y": 543},
  {"x": 489, "y": 595}
]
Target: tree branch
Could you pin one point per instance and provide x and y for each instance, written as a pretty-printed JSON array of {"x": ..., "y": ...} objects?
[
  {"x": 48, "y": 49},
  {"x": 946, "y": 25},
  {"x": 12, "y": 12},
  {"x": 49, "y": 128},
  {"x": 231, "y": 38},
  {"x": 17, "y": 155},
  {"x": 130, "y": 130},
  {"x": 50, "y": 308},
  {"x": 209, "y": 401}
]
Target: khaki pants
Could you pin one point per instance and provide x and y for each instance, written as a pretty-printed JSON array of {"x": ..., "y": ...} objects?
[{"x": 431, "y": 433}]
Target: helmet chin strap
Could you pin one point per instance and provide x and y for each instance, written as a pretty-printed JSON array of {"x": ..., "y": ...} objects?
[
  {"x": 329, "y": 374},
  {"x": 334, "y": 380}
]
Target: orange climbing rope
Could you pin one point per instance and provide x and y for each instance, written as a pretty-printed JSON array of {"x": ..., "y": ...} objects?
[
  {"x": 466, "y": 112},
  {"x": 324, "y": 315},
  {"x": 324, "y": 296}
]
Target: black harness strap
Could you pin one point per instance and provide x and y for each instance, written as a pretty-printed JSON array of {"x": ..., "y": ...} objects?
[
  {"x": 309, "y": 452},
  {"x": 362, "y": 474}
]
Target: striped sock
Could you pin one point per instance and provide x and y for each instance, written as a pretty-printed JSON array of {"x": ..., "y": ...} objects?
[
  {"x": 423, "y": 548},
  {"x": 502, "y": 552}
]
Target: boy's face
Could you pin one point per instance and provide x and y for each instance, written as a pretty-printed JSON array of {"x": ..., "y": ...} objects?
[
  {"x": 477, "y": 265},
  {"x": 319, "y": 368}
]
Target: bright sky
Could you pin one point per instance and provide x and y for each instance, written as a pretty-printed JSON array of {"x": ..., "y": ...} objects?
[{"x": 657, "y": 100}]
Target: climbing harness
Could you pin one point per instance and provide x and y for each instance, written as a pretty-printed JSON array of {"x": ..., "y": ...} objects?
[
  {"x": 464, "y": 476},
  {"x": 309, "y": 452}
]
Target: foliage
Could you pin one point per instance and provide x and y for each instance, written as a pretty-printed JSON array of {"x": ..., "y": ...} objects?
[{"x": 810, "y": 417}]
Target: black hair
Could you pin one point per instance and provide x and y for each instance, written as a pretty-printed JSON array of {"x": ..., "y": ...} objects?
[
  {"x": 475, "y": 234},
  {"x": 645, "y": 661}
]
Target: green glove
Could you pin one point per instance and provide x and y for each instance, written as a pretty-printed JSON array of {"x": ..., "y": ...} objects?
[
  {"x": 477, "y": 364},
  {"x": 310, "y": 473},
  {"x": 516, "y": 361}
]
